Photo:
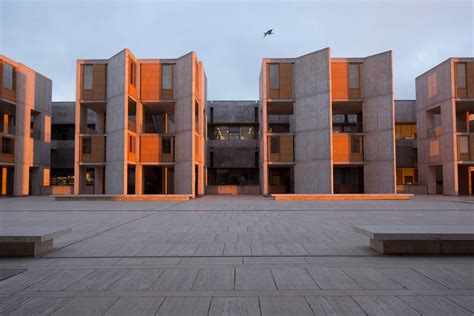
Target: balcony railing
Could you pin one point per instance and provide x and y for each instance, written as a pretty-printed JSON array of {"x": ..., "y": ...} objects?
[
  {"x": 348, "y": 147},
  {"x": 156, "y": 148},
  {"x": 280, "y": 148},
  {"x": 7, "y": 149},
  {"x": 92, "y": 148}
]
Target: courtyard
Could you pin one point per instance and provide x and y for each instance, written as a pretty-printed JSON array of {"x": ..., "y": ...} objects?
[{"x": 232, "y": 256}]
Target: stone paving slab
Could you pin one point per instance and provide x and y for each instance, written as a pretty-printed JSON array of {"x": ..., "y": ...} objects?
[{"x": 168, "y": 261}]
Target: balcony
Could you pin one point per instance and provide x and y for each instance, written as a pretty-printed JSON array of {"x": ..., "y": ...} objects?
[
  {"x": 92, "y": 148},
  {"x": 465, "y": 146},
  {"x": 280, "y": 148},
  {"x": 7, "y": 149},
  {"x": 348, "y": 147},
  {"x": 156, "y": 148}
]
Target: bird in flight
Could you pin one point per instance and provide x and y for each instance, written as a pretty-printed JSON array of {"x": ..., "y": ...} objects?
[{"x": 269, "y": 32}]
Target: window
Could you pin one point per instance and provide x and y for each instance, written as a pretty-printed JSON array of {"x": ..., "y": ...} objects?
[
  {"x": 461, "y": 75},
  {"x": 87, "y": 145},
  {"x": 405, "y": 131},
  {"x": 247, "y": 133},
  {"x": 275, "y": 145},
  {"x": 62, "y": 131},
  {"x": 353, "y": 76},
  {"x": 166, "y": 145},
  {"x": 407, "y": 176},
  {"x": 90, "y": 176},
  {"x": 464, "y": 144},
  {"x": 255, "y": 115},
  {"x": 62, "y": 177},
  {"x": 234, "y": 132},
  {"x": 8, "y": 77},
  {"x": 131, "y": 144},
  {"x": 356, "y": 144},
  {"x": 211, "y": 115},
  {"x": 87, "y": 77},
  {"x": 167, "y": 77},
  {"x": 133, "y": 73},
  {"x": 7, "y": 146},
  {"x": 274, "y": 76},
  {"x": 234, "y": 176},
  {"x": 211, "y": 159}
]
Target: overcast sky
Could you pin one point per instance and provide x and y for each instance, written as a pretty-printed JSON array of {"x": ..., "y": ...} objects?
[{"x": 49, "y": 36}]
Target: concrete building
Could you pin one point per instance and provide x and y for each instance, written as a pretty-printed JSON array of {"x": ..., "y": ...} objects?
[
  {"x": 407, "y": 148},
  {"x": 25, "y": 129},
  {"x": 445, "y": 127},
  {"x": 327, "y": 124},
  {"x": 233, "y": 149},
  {"x": 149, "y": 131}
]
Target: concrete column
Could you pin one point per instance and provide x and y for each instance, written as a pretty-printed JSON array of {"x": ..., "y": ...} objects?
[
  {"x": 313, "y": 117},
  {"x": 21, "y": 179},
  {"x": 378, "y": 120}
]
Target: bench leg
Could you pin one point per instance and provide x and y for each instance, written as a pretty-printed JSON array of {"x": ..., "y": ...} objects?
[
  {"x": 423, "y": 247},
  {"x": 23, "y": 249}
]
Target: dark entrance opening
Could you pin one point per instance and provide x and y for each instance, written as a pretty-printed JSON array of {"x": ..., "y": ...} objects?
[{"x": 348, "y": 179}]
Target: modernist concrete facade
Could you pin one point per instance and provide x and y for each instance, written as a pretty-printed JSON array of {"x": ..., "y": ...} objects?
[
  {"x": 445, "y": 126},
  {"x": 25, "y": 129},
  {"x": 321, "y": 125},
  {"x": 327, "y": 124},
  {"x": 149, "y": 130},
  {"x": 233, "y": 149}
]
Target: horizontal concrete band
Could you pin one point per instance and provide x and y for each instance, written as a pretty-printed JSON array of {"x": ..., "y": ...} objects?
[
  {"x": 286, "y": 197},
  {"x": 107, "y": 197}
]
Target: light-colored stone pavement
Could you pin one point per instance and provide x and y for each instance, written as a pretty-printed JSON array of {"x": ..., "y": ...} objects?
[{"x": 232, "y": 256}]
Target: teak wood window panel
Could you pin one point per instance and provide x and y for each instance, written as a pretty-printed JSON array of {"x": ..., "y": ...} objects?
[
  {"x": 93, "y": 82},
  {"x": 346, "y": 80},
  {"x": 280, "y": 81},
  {"x": 167, "y": 81},
  {"x": 280, "y": 148},
  {"x": 464, "y": 80}
]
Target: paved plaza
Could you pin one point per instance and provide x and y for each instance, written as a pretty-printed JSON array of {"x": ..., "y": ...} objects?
[{"x": 232, "y": 256}]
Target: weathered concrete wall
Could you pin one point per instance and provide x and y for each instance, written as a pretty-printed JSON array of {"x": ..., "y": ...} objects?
[
  {"x": 33, "y": 93},
  {"x": 313, "y": 128},
  {"x": 435, "y": 89},
  {"x": 378, "y": 121},
  {"x": 232, "y": 111},
  {"x": 117, "y": 103},
  {"x": 405, "y": 111},
  {"x": 184, "y": 116}
]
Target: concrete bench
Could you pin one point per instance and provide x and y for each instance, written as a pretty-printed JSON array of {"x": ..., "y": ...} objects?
[
  {"x": 407, "y": 239},
  {"x": 28, "y": 241}
]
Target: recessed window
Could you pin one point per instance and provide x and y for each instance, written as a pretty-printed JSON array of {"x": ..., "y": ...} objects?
[
  {"x": 166, "y": 145},
  {"x": 461, "y": 75},
  {"x": 167, "y": 77},
  {"x": 87, "y": 145},
  {"x": 8, "y": 77},
  {"x": 90, "y": 176},
  {"x": 87, "y": 77},
  {"x": 131, "y": 144},
  {"x": 274, "y": 76},
  {"x": 133, "y": 73},
  {"x": 464, "y": 144},
  {"x": 353, "y": 76},
  {"x": 7, "y": 146},
  {"x": 356, "y": 144},
  {"x": 275, "y": 145}
]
